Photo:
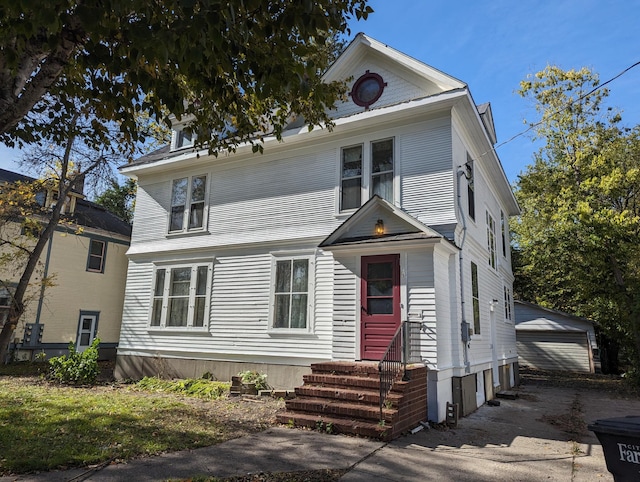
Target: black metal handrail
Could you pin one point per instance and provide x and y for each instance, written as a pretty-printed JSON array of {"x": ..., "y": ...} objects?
[{"x": 394, "y": 361}]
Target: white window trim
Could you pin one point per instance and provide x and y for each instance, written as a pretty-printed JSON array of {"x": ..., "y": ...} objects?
[
  {"x": 284, "y": 256},
  {"x": 176, "y": 137},
  {"x": 187, "y": 208},
  {"x": 508, "y": 304},
  {"x": 476, "y": 333},
  {"x": 103, "y": 256},
  {"x": 491, "y": 247},
  {"x": 367, "y": 174},
  {"x": 192, "y": 293}
]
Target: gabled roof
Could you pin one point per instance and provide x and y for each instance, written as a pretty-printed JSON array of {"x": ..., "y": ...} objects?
[
  {"x": 359, "y": 227},
  {"x": 363, "y": 44},
  {"x": 87, "y": 214},
  {"x": 545, "y": 318}
]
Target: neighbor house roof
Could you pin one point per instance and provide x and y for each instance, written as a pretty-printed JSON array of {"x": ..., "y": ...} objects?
[{"x": 87, "y": 214}]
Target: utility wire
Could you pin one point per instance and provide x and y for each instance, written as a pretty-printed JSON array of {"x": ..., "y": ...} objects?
[{"x": 569, "y": 104}]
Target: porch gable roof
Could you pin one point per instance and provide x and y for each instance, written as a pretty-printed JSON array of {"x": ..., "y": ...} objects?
[{"x": 359, "y": 228}]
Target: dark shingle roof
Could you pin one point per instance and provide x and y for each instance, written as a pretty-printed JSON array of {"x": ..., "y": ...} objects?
[{"x": 87, "y": 213}]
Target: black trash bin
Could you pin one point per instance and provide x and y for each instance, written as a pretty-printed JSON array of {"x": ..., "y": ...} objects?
[{"x": 620, "y": 440}]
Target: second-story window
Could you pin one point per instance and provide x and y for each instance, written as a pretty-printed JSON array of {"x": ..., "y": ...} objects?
[
  {"x": 97, "y": 251},
  {"x": 471, "y": 193},
  {"x": 382, "y": 169},
  {"x": 188, "y": 204},
  {"x": 503, "y": 231},
  {"x": 491, "y": 240},
  {"x": 366, "y": 170},
  {"x": 351, "y": 173}
]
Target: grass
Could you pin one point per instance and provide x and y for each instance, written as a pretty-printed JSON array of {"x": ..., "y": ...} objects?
[
  {"x": 75, "y": 427},
  {"x": 44, "y": 426}
]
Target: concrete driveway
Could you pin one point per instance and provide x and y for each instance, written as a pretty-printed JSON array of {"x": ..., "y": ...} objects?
[{"x": 541, "y": 435}]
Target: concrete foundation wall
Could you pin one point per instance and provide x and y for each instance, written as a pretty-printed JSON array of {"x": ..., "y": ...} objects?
[{"x": 285, "y": 377}]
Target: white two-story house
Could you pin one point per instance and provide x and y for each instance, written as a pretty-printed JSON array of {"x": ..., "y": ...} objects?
[{"x": 318, "y": 249}]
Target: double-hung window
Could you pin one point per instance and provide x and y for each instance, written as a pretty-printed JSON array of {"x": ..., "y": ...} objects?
[
  {"x": 507, "y": 304},
  {"x": 181, "y": 296},
  {"x": 491, "y": 240},
  {"x": 351, "y": 184},
  {"x": 471, "y": 190},
  {"x": 503, "y": 231},
  {"x": 188, "y": 206},
  {"x": 292, "y": 296},
  {"x": 382, "y": 169},
  {"x": 475, "y": 296},
  {"x": 97, "y": 251},
  {"x": 360, "y": 179}
]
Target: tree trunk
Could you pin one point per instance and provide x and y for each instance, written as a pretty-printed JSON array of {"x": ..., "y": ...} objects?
[{"x": 16, "y": 308}]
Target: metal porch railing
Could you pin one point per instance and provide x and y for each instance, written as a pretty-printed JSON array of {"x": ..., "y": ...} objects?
[{"x": 393, "y": 364}]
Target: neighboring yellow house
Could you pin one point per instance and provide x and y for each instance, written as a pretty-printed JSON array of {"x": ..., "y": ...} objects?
[{"x": 89, "y": 271}]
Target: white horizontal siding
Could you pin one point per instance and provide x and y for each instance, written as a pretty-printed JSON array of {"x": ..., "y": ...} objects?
[
  {"x": 427, "y": 178},
  {"x": 239, "y": 314},
  {"x": 345, "y": 302},
  {"x": 398, "y": 88},
  {"x": 421, "y": 301}
]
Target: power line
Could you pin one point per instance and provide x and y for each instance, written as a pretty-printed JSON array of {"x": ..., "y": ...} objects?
[{"x": 569, "y": 104}]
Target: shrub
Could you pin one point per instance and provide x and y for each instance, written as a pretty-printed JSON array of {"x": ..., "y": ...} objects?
[
  {"x": 76, "y": 368},
  {"x": 201, "y": 388},
  {"x": 259, "y": 379}
]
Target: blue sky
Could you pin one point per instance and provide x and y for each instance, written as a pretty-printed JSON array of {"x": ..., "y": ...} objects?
[{"x": 494, "y": 44}]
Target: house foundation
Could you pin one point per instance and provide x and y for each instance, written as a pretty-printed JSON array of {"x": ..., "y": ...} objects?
[{"x": 134, "y": 367}]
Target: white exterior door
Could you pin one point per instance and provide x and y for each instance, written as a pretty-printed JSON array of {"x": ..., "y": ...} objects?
[{"x": 86, "y": 332}]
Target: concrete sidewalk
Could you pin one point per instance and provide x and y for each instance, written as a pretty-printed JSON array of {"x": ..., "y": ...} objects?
[{"x": 513, "y": 442}]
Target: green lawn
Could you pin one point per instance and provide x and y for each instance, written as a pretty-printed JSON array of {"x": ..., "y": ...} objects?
[{"x": 45, "y": 426}]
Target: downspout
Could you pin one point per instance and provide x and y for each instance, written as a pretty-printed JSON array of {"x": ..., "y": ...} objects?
[{"x": 464, "y": 326}]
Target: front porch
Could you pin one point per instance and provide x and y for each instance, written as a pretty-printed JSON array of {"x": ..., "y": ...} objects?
[{"x": 344, "y": 397}]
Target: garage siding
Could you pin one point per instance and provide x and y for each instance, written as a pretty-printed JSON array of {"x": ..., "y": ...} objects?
[{"x": 568, "y": 351}]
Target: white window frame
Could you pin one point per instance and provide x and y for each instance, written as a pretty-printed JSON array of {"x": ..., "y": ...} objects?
[
  {"x": 504, "y": 230},
  {"x": 475, "y": 299},
  {"x": 491, "y": 241},
  {"x": 471, "y": 189},
  {"x": 183, "y": 139},
  {"x": 367, "y": 175},
  {"x": 189, "y": 202},
  {"x": 508, "y": 304},
  {"x": 164, "y": 295},
  {"x": 276, "y": 257},
  {"x": 102, "y": 256}
]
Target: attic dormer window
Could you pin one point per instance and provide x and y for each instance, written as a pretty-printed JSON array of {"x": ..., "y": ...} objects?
[
  {"x": 367, "y": 89},
  {"x": 184, "y": 139}
]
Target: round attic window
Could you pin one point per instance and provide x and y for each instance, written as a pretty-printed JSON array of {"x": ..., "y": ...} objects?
[{"x": 367, "y": 89}]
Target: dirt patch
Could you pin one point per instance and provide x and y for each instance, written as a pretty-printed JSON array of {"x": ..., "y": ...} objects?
[
  {"x": 572, "y": 422},
  {"x": 613, "y": 385}
]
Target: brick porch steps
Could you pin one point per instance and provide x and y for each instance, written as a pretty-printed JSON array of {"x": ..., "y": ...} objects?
[{"x": 343, "y": 397}]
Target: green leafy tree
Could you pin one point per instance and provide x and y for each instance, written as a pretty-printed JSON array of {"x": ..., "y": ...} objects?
[
  {"x": 28, "y": 218},
  {"x": 238, "y": 68},
  {"x": 119, "y": 199},
  {"x": 577, "y": 238}
]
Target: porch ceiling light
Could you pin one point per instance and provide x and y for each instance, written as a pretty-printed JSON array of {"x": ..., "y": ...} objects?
[{"x": 379, "y": 228}]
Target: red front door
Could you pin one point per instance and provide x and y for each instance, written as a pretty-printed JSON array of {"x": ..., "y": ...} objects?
[{"x": 380, "y": 298}]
